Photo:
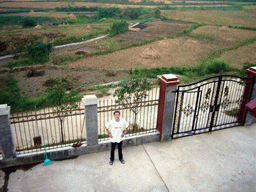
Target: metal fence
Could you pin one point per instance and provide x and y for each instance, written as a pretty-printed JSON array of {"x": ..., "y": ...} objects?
[
  {"x": 59, "y": 129},
  {"x": 142, "y": 123}
]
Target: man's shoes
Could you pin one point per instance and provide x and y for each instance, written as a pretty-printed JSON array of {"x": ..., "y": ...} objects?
[
  {"x": 111, "y": 162},
  {"x": 122, "y": 161}
]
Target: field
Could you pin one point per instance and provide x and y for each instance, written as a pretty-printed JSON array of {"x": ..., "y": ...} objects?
[
  {"x": 51, "y": 5},
  {"x": 175, "y": 52},
  {"x": 49, "y": 34},
  {"x": 158, "y": 44},
  {"x": 220, "y": 18}
]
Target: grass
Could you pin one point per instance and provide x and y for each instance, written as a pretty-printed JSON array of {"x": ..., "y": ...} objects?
[{"x": 20, "y": 62}]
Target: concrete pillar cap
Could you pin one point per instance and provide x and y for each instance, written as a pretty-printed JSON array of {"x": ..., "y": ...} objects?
[
  {"x": 90, "y": 100},
  {"x": 4, "y": 109},
  {"x": 169, "y": 79}
]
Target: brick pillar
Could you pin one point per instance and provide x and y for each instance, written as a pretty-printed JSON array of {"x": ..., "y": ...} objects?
[
  {"x": 90, "y": 105},
  {"x": 249, "y": 92},
  {"x": 7, "y": 145},
  {"x": 166, "y": 105}
]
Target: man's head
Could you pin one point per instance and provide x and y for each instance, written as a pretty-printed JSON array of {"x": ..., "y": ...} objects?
[{"x": 117, "y": 115}]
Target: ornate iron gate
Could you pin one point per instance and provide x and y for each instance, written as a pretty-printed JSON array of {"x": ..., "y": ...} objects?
[{"x": 209, "y": 105}]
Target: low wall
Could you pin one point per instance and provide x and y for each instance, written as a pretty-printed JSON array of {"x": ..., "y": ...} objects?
[{"x": 70, "y": 152}]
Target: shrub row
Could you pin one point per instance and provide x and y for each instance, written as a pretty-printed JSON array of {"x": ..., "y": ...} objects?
[
  {"x": 23, "y": 11},
  {"x": 74, "y": 9},
  {"x": 17, "y": 20},
  {"x": 209, "y": 67}
]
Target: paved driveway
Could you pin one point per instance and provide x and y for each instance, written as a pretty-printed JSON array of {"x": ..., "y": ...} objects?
[{"x": 220, "y": 161}]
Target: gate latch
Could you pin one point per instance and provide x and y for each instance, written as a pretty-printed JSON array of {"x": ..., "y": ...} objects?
[{"x": 214, "y": 108}]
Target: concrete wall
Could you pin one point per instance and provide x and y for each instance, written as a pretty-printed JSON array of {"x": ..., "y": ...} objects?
[
  {"x": 69, "y": 152},
  {"x": 92, "y": 144}
]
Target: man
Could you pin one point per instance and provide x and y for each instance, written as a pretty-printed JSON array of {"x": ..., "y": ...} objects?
[{"x": 116, "y": 129}]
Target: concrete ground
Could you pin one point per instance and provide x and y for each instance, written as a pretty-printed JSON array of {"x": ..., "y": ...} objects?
[{"x": 220, "y": 161}]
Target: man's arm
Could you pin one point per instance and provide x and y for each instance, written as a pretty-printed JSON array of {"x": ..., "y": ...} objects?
[
  {"x": 109, "y": 133},
  {"x": 124, "y": 132}
]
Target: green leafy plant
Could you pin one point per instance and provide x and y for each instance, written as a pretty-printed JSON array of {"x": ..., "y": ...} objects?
[
  {"x": 118, "y": 28},
  {"x": 233, "y": 112},
  {"x": 216, "y": 66},
  {"x": 39, "y": 52},
  {"x": 28, "y": 22},
  {"x": 63, "y": 102},
  {"x": 157, "y": 13},
  {"x": 108, "y": 12},
  {"x": 131, "y": 93}
]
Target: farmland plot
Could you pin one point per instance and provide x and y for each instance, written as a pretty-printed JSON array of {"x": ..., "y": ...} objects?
[{"x": 233, "y": 18}]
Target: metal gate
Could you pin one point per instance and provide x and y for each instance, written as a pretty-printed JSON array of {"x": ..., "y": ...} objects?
[{"x": 209, "y": 105}]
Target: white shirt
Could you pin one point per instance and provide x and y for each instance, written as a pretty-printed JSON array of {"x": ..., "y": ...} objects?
[{"x": 116, "y": 129}]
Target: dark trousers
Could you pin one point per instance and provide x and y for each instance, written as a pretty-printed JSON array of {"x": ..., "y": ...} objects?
[{"x": 112, "y": 152}]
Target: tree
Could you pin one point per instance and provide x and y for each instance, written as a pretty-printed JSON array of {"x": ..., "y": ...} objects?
[
  {"x": 119, "y": 28},
  {"x": 28, "y": 22},
  {"x": 40, "y": 51},
  {"x": 131, "y": 94},
  {"x": 132, "y": 13},
  {"x": 108, "y": 12},
  {"x": 62, "y": 101}
]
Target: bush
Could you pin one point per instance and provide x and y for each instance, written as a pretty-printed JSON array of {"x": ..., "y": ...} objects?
[
  {"x": 131, "y": 13},
  {"x": 28, "y": 22},
  {"x": 108, "y": 12},
  {"x": 39, "y": 53},
  {"x": 118, "y": 28},
  {"x": 157, "y": 13},
  {"x": 216, "y": 66}
]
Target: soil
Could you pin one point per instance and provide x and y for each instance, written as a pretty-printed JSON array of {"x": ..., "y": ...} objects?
[
  {"x": 34, "y": 86},
  {"x": 177, "y": 52}
]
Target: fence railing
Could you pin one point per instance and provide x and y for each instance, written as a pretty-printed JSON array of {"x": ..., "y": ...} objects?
[
  {"x": 64, "y": 128},
  {"x": 57, "y": 128},
  {"x": 144, "y": 122}
]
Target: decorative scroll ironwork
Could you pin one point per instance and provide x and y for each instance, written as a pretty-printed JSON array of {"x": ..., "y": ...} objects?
[
  {"x": 226, "y": 91},
  {"x": 207, "y": 95},
  {"x": 205, "y": 106},
  {"x": 188, "y": 110},
  {"x": 225, "y": 103},
  {"x": 221, "y": 94}
]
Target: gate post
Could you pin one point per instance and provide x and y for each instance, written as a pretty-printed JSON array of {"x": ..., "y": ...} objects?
[
  {"x": 7, "y": 145},
  {"x": 249, "y": 90},
  {"x": 90, "y": 105},
  {"x": 166, "y": 105}
]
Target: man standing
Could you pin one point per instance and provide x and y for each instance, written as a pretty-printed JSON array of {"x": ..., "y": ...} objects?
[{"x": 116, "y": 129}]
